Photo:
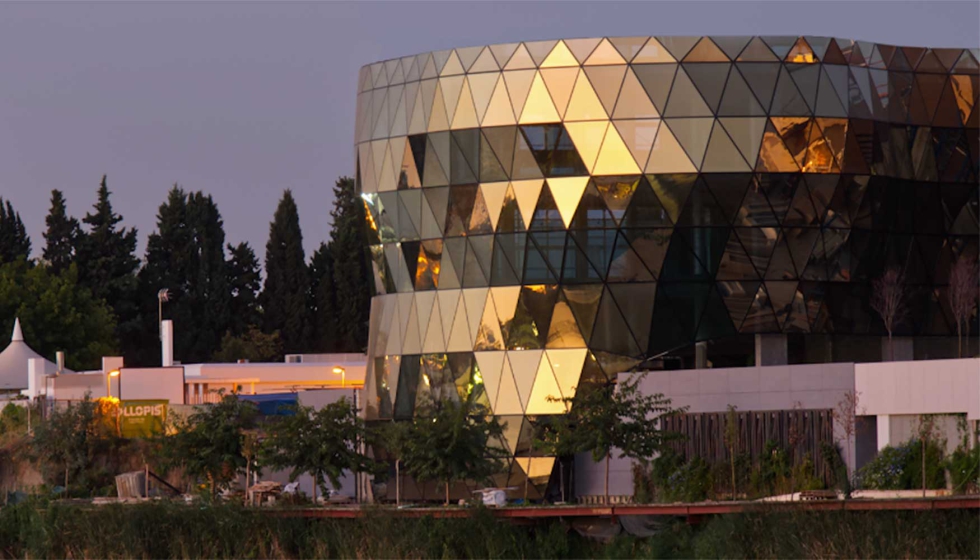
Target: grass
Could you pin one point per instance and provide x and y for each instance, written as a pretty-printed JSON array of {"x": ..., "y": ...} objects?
[{"x": 171, "y": 530}]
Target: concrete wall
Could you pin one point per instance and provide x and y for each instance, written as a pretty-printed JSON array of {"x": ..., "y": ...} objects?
[
  {"x": 922, "y": 387},
  {"x": 74, "y": 386},
  {"x": 712, "y": 390},
  {"x": 152, "y": 383}
]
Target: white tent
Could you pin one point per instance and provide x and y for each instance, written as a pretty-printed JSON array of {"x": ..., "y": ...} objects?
[{"x": 14, "y": 360}]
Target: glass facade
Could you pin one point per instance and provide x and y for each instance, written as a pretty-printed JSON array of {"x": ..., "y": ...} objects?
[{"x": 547, "y": 212}]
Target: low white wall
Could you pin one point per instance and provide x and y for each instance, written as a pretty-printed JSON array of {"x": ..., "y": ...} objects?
[
  {"x": 920, "y": 387},
  {"x": 152, "y": 383},
  {"x": 810, "y": 386},
  {"x": 74, "y": 386}
]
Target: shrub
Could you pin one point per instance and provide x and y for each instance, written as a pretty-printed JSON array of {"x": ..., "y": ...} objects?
[
  {"x": 900, "y": 467},
  {"x": 964, "y": 469}
]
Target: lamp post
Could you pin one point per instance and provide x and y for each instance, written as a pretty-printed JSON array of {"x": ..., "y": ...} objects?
[
  {"x": 108, "y": 376},
  {"x": 337, "y": 370},
  {"x": 162, "y": 296}
]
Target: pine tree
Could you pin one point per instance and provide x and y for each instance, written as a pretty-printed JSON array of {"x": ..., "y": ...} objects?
[
  {"x": 62, "y": 236},
  {"x": 14, "y": 242},
  {"x": 352, "y": 273},
  {"x": 322, "y": 300},
  {"x": 284, "y": 298},
  {"x": 245, "y": 283},
  {"x": 106, "y": 260}
]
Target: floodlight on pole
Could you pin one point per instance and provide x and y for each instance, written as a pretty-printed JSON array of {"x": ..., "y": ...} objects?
[
  {"x": 337, "y": 370},
  {"x": 162, "y": 296},
  {"x": 108, "y": 376}
]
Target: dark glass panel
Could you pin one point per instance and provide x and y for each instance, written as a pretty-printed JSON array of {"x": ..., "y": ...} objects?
[
  {"x": 738, "y": 297},
  {"x": 710, "y": 79},
  {"x": 761, "y": 78},
  {"x": 801, "y": 243},
  {"x": 735, "y": 263},
  {"x": 636, "y": 302},
  {"x": 779, "y": 188},
  {"x": 650, "y": 245},
  {"x": 417, "y": 144},
  {"x": 781, "y": 264},
  {"x": 729, "y": 189},
  {"x": 577, "y": 268},
  {"x": 410, "y": 249},
  {"x": 689, "y": 300},
  {"x": 553, "y": 150},
  {"x": 760, "y": 317},
  {"x": 645, "y": 209},
  {"x": 611, "y": 333},
  {"x": 510, "y": 249},
  {"x": 474, "y": 274},
  {"x": 787, "y": 99},
  {"x": 592, "y": 212},
  {"x": 584, "y": 302},
  {"x": 461, "y": 200},
  {"x": 544, "y": 256},
  {"x": 716, "y": 321},
  {"x": 408, "y": 383},
  {"x": 453, "y": 249},
  {"x": 759, "y": 244},
  {"x": 546, "y": 214},
  {"x": 688, "y": 246},
  {"x": 465, "y": 156},
  {"x": 702, "y": 209},
  {"x": 625, "y": 265},
  {"x": 617, "y": 191},
  {"x": 491, "y": 169},
  {"x": 501, "y": 141},
  {"x": 666, "y": 331}
]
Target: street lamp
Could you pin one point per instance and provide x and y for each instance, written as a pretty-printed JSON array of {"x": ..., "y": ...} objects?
[
  {"x": 109, "y": 375},
  {"x": 337, "y": 370}
]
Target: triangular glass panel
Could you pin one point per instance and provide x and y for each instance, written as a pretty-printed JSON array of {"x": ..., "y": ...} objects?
[
  {"x": 480, "y": 221},
  {"x": 611, "y": 333},
  {"x": 747, "y": 135},
  {"x": 633, "y": 102},
  {"x": 715, "y": 321},
  {"x": 451, "y": 266},
  {"x": 616, "y": 193},
  {"x": 738, "y": 298},
  {"x": 800, "y": 53},
  {"x": 637, "y": 304},
  {"x": 787, "y": 99},
  {"x": 509, "y": 401},
  {"x": 488, "y": 336},
  {"x": 806, "y": 77},
  {"x": 729, "y": 190},
  {"x": 582, "y": 48},
  {"x": 508, "y": 259},
  {"x": 587, "y": 137},
  {"x": 731, "y": 45},
  {"x": 584, "y": 104},
  {"x": 656, "y": 79},
  {"x": 781, "y": 266},
  {"x": 774, "y": 157},
  {"x": 577, "y": 269},
  {"x": 761, "y": 78},
  {"x": 653, "y": 53},
  {"x": 738, "y": 99},
  {"x": 583, "y": 300},
  {"x": 564, "y": 331},
  {"x": 560, "y": 82},
  {"x": 706, "y": 51},
  {"x": 525, "y": 165},
  {"x": 678, "y": 46},
  {"x": 693, "y": 135},
  {"x": 606, "y": 81},
  {"x": 545, "y": 397},
  {"x": 757, "y": 51},
  {"x": 638, "y": 135},
  {"x": 539, "y": 50},
  {"x": 614, "y": 157},
  {"x": 465, "y": 159},
  {"x": 537, "y": 268},
  {"x": 672, "y": 191},
  {"x": 461, "y": 200},
  {"x": 688, "y": 302},
  {"x": 833, "y": 54},
  {"x": 780, "y": 45},
  {"x": 760, "y": 317},
  {"x": 628, "y": 47},
  {"x": 722, "y": 155},
  {"x": 685, "y": 101},
  {"x": 485, "y": 62},
  {"x": 626, "y": 265},
  {"x": 553, "y": 149},
  {"x": 560, "y": 56},
  {"x": 592, "y": 212},
  {"x": 644, "y": 210},
  {"x": 709, "y": 79},
  {"x": 605, "y": 53},
  {"x": 681, "y": 263},
  {"x": 735, "y": 263}
]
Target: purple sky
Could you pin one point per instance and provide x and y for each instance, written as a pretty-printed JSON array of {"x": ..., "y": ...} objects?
[{"x": 242, "y": 100}]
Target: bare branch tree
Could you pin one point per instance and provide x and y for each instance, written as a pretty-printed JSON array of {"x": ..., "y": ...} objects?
[
  {"x": 845, "y": 416},
  {"x": 963, "y": 293},
  {"x": 888, "y": 299}
]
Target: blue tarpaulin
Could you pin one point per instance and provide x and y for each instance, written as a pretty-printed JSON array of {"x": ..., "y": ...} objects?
[{"x": 272, "y": 404}]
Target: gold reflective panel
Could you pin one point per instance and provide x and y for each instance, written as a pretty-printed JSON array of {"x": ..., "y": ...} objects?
[
  {"x": 774, "y": 157},
  {"x": 560, "y": 82},
  {"x": 706, "y": 51},
  {"x": 527, "y": 193},
  {"x": 693, "y": 135},
  {"x": 484, "y": 63},
  {"x": 638, "y": 135},
  {"x": 540, "y": 50},
  {"x": 582, "y": 48},
  {"x": 427, "y": 271},
  {"x": 411, "y": 338},
  {"x": 614, "y": 157},
  {"x": 438, "y": 119},
  {"x": 546, "y": 397},
  {"x": 560, "y": 56},
  {"x": 475, "y": 299},
  {"x": 605, "y": 53},
  {"x": 435, "y": 336},
  {"x": 567, "y": 366},
  {"x": 564, "y": 331},
  {"x": 520, "y": 60},
  {"x": 628, "y": 46},
  {"x": 451, "y": 89},
  {"x": 493, "y": 195},
  {"x": 819, "y": 157},
  {"x": 509, "y": 399},
  {"x": 965, "y": 93},
  {"x": 652, "y": 53},
  {"x": 424, "y": 303},
  {"x": 587, "y": 137},
  {"x": 835, "y": 132},
  {"x": 801, "y": 53},
  {"x": 539, "y": 108},
  {"x": 567, "y": 191},
  {"x": 491, "y": 367},
  {"x": 499, "y": 111},
  {"x": 633, "y": 102},
  {"x": 488, "y": 336},
  {"x": 524, "y": 365},
  {"x": 606, "y": 82},
  {"x": 667, "y": 156},
  {"x": 447, "y": 301},
  {"x": 585, "y": 104},
  {"x": 722, "y": 155},
  {"x": 747, "y": 134},
  {"x": 459, "y": 334},
  {"x": 518, "y": 86}
]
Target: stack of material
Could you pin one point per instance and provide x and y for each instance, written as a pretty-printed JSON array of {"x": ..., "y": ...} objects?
[
  {"x": 265, "y": 491},
  {"x": 131, "y": 485}
]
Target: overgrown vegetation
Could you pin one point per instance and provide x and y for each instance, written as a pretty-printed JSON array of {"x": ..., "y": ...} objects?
[{"x": 169, "y": 530}]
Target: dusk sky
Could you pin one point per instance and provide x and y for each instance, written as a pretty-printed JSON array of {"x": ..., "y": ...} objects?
[{"x": 243, "y": 100}]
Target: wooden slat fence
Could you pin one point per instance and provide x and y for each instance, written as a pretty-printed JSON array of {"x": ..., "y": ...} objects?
[{"x": 799, "y": 432}]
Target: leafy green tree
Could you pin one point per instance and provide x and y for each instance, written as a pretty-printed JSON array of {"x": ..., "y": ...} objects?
[
  {"x": 245, "y": 282},
  {"x": 351, "y": 268},
  {"x": 56, "y": 314},
  {"x": 324, "y": 443},
  {"x": 62, "y": 236},
  {"x": 186, "y": 256},
  {"x": 323, "y": 304},
  {"x": 14, "y": 242},
  {"x": 71, "y": 439},
  {"x": 449, "y": 441},
  {"x": 608, "y": 417},
  {"x": 252, "y": 345},
  {"x": 284, "y": 298},
  {"x": 106, "y": 257},
  {"x": 211, "y": 446}
]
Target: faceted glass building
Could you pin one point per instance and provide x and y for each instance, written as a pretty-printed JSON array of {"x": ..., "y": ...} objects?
[{"x": 549, "y": 212}]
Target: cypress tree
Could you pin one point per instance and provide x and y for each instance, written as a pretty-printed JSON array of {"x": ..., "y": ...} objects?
[
  {"x": 284, "y": 297},
  {"x": 186, "y": 256},
  {"x": 352, "y": 272},
  {"x": 62, "y": 235},
  {"x": 14, "y": 242},
  {"x": 244, "y": 282},
  {"x": 106, "y": 259},
  {"x": 322, "y": 300}
]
